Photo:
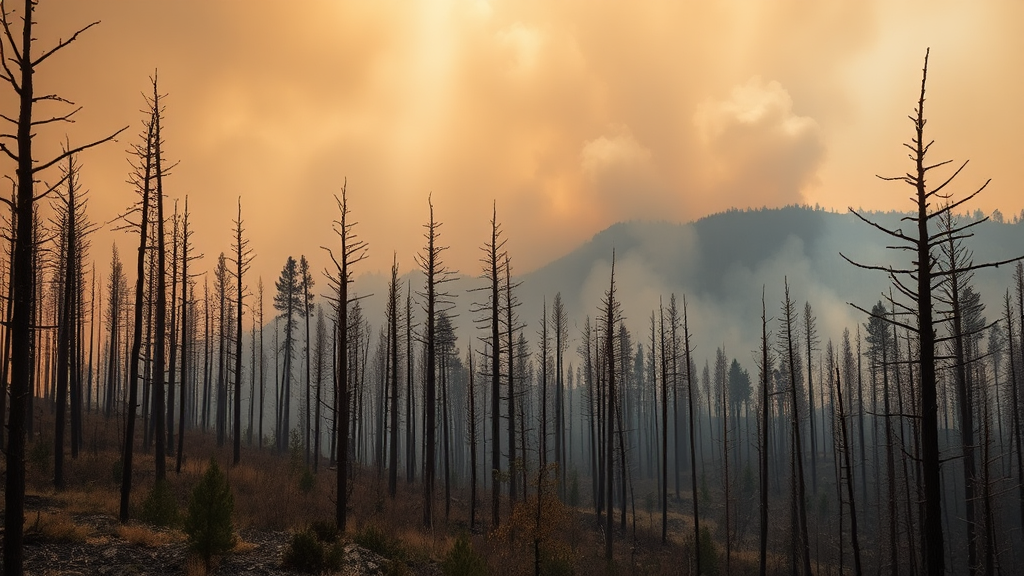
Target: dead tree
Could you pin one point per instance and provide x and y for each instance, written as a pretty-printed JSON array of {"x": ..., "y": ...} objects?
[
  {"x": 811, "y": 340},
  {"x": 766, "y": 371},
  {"x": 799, "y": 491},
  {"x": 559, "y": 321},
  {"x": 494, "y": 252},
  {"x": 159, "y": 375},
  {"x": 187, "y": 297},
  {"x": 116, "y": 292},
  {"x": 352, "y": 251},
  {"x": 410, "y": 414},
  {"x": 172, "y": 361},
  {"x": 242, "y": 258},
  {"x": 262, "y": 362},
  {"x": 611, "y": 315},
  {"x": 72, "y": 228},
  {"x": 392, "y": 319},
  {"x": 20, "y": 64},
  {"x": 664, "y": 423},
  {"x": 222, "y": 286},
  {"x": 435, "y": 303},
  {"x": 1015, "y": 398},
  {"x": 142, "y": 177},
  {"x": 472, "y": 438},
  {"x": 307, "y": 283},
  {"x": 687, "y": 351},
  {"x": 319, "y": 358},
  {"x": 917, "y": 283},
  {"x": 844, "y": 449}
]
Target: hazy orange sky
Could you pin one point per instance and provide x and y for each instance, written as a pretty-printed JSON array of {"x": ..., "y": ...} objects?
[{"x": 570, "y": 115}]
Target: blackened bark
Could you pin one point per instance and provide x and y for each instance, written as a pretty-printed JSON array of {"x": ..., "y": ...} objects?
[{"x": 146, "y": 155}]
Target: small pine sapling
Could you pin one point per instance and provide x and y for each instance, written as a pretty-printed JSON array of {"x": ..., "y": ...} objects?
[{"x": 208, "y": 524}]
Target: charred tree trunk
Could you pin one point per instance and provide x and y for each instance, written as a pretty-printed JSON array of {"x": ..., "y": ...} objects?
[
  {"x": 143, "y": 181},
  {"x": 352, "y": 251},
  {"x": 184, "y": 391},
  {"x": 800, "y": 492},
  {"x": 687, "y": 349},
  {"x": 766, "y": 371},
  {"x": 609, "y": 327},
  {"x": 844, "y": 449},
  {"x": 393, "y": 353},
  {"x": 159, "y": 400},
  {"x": 243, "y": 256}
]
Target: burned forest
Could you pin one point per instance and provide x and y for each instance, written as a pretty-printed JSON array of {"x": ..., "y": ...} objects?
[{"x": 287, "y": 384}]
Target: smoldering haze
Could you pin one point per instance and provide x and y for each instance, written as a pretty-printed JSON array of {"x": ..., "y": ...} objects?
[{"x": 570, "y": 116}]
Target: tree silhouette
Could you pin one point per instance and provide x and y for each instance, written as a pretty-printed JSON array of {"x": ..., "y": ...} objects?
[
  {"x": 917, "y": 283},
  {"x": 222, "y": 286},
  {"x": 117, "y": 289},
  {"x": 611, "y": 315},
  {"x": 801, "y": 543},
  {"x": 766, "y": 371},
  {"x": 187, "y": 304},
  {"x": 287, "y": 301},
  {"x": 242, "y": 257},
  {"x": 352, "y": 251},
  {"x": 494, "y": 252},
  {"x": 307, "y": 283},
  {"x": 434, "y": 304},
  {"x": 20, "y": 64},
  {"x": 73, "y": 227},
  {"x": 687, "y": 351},
  {"x": 392, "y": 321},
  {"x": 142, "y": 176}
]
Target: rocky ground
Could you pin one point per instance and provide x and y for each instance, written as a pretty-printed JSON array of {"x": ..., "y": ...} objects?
[{"x": 98, "y": 545}]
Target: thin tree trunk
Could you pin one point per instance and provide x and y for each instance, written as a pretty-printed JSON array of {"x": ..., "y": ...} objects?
[
  {"x": 845, "y": 450},
  {"x": 133, "y": 370},
  {"x": 184, "y": 338}
]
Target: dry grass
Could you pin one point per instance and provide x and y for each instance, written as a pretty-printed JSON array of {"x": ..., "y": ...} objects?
[
  {"x": 242, "y": 547},
  {"x": 90, "y": 500},
  {"x": 143, "y": 535},
  {"x": 59, "y": 527},
  {"x": 194, "y": 566},
  {"x": 267, "y": 493}
]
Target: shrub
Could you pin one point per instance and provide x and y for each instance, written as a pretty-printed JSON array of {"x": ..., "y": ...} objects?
[
  {"x": 308, "y": 553},
  {"x": 208, "y": 523},
  {"x": 325, "y": 530},
  {"x": 462, "y": 560},
  {"x": 295, "y": 454},
  {"x": 161, "y": 507},
  {"x": 305, "y": 553},
  {"x": 556, "y": 565},
  {"x": 376, "y": 540},
  {"x": 708, "y": 553},
  {"x": 307, "y": 481},
  {"x": 58, "y": 527}
]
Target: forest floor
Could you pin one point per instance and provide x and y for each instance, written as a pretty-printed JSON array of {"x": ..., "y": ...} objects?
[
  {"x": 58, "y": 542},
  {"x": 75, "y": 531}
]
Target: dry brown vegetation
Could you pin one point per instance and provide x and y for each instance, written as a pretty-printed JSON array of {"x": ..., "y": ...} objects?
[{"x": 269, "y": 495}]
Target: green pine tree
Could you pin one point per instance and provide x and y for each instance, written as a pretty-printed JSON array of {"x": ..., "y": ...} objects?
[{"x": 208, "y": 523}]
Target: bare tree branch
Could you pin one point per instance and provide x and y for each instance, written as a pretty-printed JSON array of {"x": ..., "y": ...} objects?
[
  {"x": 62, "y": 44},
  {"x": 884, "y": 318},
  {"x": 894, "y": 233},
  {"x": 75, "y": 150},
  {"x": 64, "y": 118}
]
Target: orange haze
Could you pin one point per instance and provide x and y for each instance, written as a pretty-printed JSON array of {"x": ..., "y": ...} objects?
[{"x": 570, "y": 115}]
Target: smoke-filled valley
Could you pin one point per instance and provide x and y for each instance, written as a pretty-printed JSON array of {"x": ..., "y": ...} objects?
[{"x": 774, "y": 390}]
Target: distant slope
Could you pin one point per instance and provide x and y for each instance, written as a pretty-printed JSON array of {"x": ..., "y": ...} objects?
[{"x": 720, "y": 264}]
